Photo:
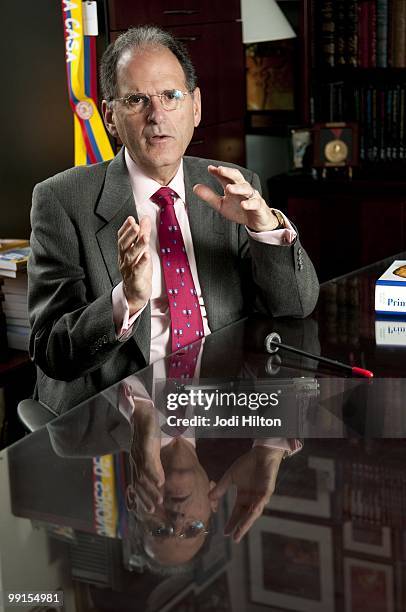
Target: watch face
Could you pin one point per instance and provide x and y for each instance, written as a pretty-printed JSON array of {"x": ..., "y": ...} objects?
[{"x": 336, "y": 151}]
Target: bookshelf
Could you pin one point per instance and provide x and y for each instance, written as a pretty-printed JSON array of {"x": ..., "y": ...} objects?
[
  {"x": 352, "y": 56},
  {"x": 357, "y": 73}
]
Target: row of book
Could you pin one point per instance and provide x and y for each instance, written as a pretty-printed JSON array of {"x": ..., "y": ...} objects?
[
  {"x": 13, "y": 291},
  {"x": 373, "y": 493},
  {"x": 379, "y": 112},
  {"x": 361, "y": 33}
]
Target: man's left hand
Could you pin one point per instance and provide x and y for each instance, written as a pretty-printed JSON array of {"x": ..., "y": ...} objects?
[
  {"x": 240, "y": 202},
  {"x": 254, "y": 475},
  {"x": 148, "y": 477}
]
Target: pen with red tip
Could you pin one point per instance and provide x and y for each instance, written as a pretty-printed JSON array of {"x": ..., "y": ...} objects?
[{"x": 273, "y": 343}]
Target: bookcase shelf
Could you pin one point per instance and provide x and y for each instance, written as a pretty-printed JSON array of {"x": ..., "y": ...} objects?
[
  {"x": 356, "y": 68},
  {"x": 356, "y": 72}
]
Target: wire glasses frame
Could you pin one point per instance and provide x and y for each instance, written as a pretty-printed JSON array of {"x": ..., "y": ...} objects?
[
  {"x": 153, "y": 525},
  {"x": 139, "y": 102}
]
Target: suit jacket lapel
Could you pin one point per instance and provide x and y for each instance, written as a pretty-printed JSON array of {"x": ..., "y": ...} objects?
[{"x": 116, "y": 203}]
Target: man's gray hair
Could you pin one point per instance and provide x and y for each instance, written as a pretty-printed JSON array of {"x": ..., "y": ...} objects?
[{"x": 139, "y": 38}]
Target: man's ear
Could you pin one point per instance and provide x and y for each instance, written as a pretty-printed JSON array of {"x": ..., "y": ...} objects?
[
  {"x": 197, "y": 106},
  {"x": 109, "y": 118},
  {"x": 213, "y": 504}
]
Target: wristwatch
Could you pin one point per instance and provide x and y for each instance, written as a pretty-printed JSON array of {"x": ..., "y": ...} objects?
[{"x": 281, "y": 221}]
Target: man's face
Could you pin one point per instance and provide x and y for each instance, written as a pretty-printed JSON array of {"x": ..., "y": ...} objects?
[
  {"x": 185, "y": 501},
  {"x": 155, "y": 138}
]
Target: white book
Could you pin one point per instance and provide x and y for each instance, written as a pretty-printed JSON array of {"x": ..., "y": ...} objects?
[
  {"x": 15, "y": 298},
  {"x": 18, "y": 341},
  {"x": 9, "y": 273},
  {"x": 390, "y": 332},
  {"x": 21, "y": 321},
  {"x": 23, "y": 330},
  {"x": 15, "y": 310},
  {"x": 390, "y": 289},
  {"x": 19, "y": 284}
]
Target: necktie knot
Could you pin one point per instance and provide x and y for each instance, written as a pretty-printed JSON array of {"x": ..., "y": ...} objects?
[{"x": 164, "y": 196}]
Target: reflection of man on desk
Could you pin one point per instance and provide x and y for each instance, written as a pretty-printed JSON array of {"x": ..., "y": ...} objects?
[
  {"x": 170, "y": 477},
  {"x": 172, "y": 494},
  {"x": 95, "y": 321}
]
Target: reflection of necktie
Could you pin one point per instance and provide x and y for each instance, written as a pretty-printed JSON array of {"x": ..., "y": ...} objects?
[{"x": 186, "y": 318}]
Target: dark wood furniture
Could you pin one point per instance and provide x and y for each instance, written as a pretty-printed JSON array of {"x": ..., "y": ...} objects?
[
  {"x": 339, "y": 503},
  {"x": 349, "y": 73},
  {"x": 212, "y": 34},
  {"x": 344, "y": 224},
  {"x": 17, "y": 380}
]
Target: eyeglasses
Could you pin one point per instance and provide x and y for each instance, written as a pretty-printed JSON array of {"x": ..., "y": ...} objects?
[
  {"x": 191, "y": 529},
  {"x": 155, "y": 527},
  {"x": 139, "y": 102}
]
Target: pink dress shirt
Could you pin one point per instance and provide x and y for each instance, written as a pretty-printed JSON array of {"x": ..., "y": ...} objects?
[{"x": 143, "y": 188}]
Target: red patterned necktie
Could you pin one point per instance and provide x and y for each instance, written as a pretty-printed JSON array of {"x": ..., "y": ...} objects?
[{"x": 186, "y": 318}]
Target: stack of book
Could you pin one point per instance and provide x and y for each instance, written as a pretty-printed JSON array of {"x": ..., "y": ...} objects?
[
  {"x": 373, "y": 493},
  {"x": 13, "y": 274},
  {"x": 390, "y": 306}
]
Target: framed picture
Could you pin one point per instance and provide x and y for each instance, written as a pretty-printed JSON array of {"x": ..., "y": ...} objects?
[
  {"x": 300, "y": 145},
  {"x": 183, "y": 602},
  {"x": 306, "y": 491},
  {"x": 215, "y": 596},
  {"x": 368, "y": 586},
  {"x": 291, "y": 565},
  {"x": 271, "y": 69},
  {"x": 368, "y": 539}
]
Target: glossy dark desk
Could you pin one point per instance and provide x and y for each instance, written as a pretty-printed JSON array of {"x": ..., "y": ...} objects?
[{"x": 333, "y": 535}]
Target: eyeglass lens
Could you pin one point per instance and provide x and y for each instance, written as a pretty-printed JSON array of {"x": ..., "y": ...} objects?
[{"x": 170, "y": 100}]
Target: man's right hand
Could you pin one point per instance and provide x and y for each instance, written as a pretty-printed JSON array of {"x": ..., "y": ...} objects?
[
  {"x": 254, "y": 475},
  {"x": 134, "y": 262}
]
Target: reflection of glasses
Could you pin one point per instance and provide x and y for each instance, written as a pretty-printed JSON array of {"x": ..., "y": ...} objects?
[
  {"x": 139, "y": 102},
  {"x": 158, "y": 529},
  {"x": 191, "y": 529}
]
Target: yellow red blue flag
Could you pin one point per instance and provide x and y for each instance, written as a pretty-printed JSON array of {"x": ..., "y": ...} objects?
[{"x": 91, "y": 141}]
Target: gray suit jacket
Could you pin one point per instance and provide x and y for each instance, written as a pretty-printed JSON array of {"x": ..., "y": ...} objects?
[{"x": 73, "y": 268}]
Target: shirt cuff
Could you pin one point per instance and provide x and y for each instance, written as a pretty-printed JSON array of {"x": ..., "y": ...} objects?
[
  {"x": 290, "y": 446},
  {"x": 279, "y": 237},
  {"x": 121, "y": 314},
  {"x": 130, "y": 391}
]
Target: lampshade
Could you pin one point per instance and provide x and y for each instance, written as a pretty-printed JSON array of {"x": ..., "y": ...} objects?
[{"x": 263, "y": 20}]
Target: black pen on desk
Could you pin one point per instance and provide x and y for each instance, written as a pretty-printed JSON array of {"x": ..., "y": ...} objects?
[{"x": 273, "y": 343}]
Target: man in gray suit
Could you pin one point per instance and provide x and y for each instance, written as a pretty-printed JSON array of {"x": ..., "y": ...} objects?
[{"x": 98, "y": 307}]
